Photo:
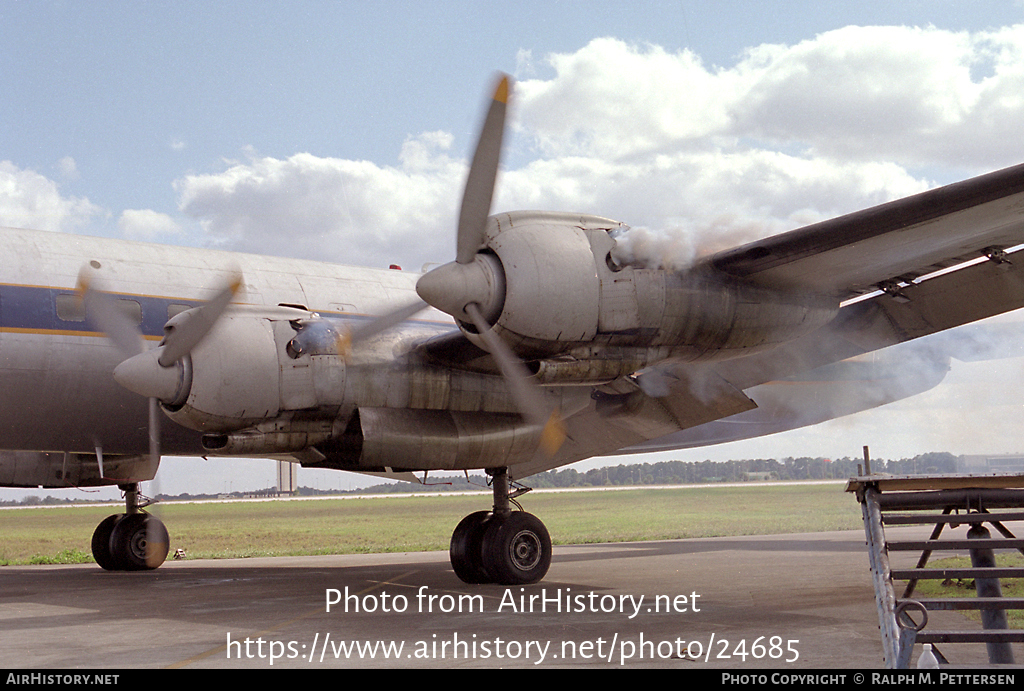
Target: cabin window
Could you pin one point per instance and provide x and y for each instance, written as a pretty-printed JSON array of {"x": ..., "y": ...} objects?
[
  {"x": 71, "y": 307},
  {"x": 131, "y": 309}
]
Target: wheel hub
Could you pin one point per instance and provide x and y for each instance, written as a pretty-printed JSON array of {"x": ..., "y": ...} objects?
[{"x": 525, "y": 549}]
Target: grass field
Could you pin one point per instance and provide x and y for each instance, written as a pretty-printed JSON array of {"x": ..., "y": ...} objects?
[
  {"x": 1011, "y": 587},
  {"x": 407, "y": 524}
]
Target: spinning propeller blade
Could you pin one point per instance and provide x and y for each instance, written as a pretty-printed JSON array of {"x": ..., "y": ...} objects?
[
  {"x": 483, "y": 171},
  {"x": 181, "y": 337},
  {"x": 378, "y": 325},
  {"x": 528, "y": 397}
]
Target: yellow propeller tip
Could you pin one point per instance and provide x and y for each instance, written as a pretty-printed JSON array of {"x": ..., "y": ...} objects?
[
  {"x": 501, "y": 93},
  {"x": 344, "y": 345},
  {"x": 554, "y": 434},
  {"x": 82, "y": 284}
]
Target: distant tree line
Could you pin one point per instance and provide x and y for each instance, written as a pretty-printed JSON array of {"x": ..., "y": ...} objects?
[
  {"x": 635, "y": 474},
  {"x": 690, "y": 472},
  {"x": 687, "y": 472}
]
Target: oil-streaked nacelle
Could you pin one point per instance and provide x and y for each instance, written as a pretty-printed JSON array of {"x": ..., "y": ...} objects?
[{"x": 548, "y": 286}]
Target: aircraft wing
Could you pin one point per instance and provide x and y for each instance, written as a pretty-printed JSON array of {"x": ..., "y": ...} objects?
[
  {"x": 890, "y": 249},
  {"x": 894, "y": 243}
]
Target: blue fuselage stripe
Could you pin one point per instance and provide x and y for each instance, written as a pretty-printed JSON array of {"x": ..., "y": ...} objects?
[{"x": 33, "y": 308}]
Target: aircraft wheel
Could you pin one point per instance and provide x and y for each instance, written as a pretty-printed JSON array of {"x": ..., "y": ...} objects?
[
  {"x": 466, "y": 550},
  {"x": 139, "y": 542},
  {"x": 101, "y": 542},
  {"x": 516, "y": 549}
]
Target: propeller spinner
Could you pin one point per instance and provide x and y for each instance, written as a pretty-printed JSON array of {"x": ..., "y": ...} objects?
[{"x": 154, "y": 373}]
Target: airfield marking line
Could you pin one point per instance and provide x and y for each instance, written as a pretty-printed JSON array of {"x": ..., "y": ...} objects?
[
  {"x": 307, "y": 615},
  {"x": 488, "y": 596}
]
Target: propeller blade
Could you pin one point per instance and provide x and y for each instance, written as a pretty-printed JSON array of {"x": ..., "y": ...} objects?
[
  {"x": 154, "y": 431},
  {"x": 483, "y": 171},
  {"x": 156, "y": 533},
  {"x": 189, "y": 332},
  {"x": 376, "y": 326},
  {"x": 528, "y": 398},
  {"x": 102, "y": 309}
]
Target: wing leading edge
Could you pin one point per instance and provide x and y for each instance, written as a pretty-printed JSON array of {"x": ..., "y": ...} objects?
[{"x": 896, "y": 242}]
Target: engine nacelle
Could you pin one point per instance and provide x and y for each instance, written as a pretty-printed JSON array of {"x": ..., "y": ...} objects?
[
  {"x": 255, "y": 364},
  {"x": 548, "y": 285}
]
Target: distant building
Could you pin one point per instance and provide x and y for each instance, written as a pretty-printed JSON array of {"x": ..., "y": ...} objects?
[
  {"x": 1005, "y": 463},
  {"x": 287, "y": 477}
]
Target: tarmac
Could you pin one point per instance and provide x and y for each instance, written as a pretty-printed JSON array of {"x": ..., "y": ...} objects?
[{"x": 783, "y": 602}]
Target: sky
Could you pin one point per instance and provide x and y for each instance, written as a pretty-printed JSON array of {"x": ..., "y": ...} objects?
[{"x": 340, "y": 131}]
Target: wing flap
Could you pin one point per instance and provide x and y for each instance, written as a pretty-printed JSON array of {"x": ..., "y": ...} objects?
[
  {"x": 959, "y": 297},
  {"x": 621, "y": 414}
]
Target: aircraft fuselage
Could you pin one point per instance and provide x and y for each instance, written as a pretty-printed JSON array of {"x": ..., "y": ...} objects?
[{"x": 58, "y": 393}]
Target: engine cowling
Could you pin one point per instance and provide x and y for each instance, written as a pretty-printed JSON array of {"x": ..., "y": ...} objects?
[
  {"x": 234, "y": 381},
  {"x": 247, "y": 370},
  {"x": 535, "y": 281},
  {"x": 548, "y": 285}
]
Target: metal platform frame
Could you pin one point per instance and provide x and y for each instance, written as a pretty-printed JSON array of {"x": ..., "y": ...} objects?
[{"x": 945, "y": 501}]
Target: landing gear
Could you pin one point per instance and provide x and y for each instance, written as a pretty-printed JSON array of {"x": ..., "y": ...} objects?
[
  {"x": 500, "y": 546},
  {"x": 516, "y": 549},
  {"x": 131, "y": 541},
  {"x": 101, "y": 542},
  {"x": 466, "y": 550}
]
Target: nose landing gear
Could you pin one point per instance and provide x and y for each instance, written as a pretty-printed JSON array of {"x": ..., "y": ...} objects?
[{"x": 500, "y": 546}]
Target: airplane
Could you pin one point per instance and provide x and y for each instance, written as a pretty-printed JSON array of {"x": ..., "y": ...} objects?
[{"x": 538, "y": 346}]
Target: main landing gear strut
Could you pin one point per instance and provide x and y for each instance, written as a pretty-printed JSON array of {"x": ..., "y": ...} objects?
[
  {"x": 130, "y": 541},
  {"x": 500, "y": 546}
]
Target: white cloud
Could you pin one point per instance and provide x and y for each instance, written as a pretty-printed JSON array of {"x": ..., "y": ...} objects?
[
  {"x": 31, "y": 200},
  {"x": 354, "y": 212},
  {"x": 67, "y": 168},
  {"x": 706, "y": 157},
  {"x": 913, "y": 96},
  {"x": 147, "y": 225}
]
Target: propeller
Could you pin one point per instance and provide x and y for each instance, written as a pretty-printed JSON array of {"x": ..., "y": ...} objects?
[
  {"x": 151, "y": 373},
  {"x": 472, "y": 288},
  {"x": 474, "y": 277}
]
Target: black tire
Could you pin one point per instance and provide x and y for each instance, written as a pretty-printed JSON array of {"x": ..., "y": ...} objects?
[
  {"x": 101, "y": 542},
  {"x": 139, "y": 542},
  {"x": 466, "y": 549},
  {"x": 516, "y": 550}
]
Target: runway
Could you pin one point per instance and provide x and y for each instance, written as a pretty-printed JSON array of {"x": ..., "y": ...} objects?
[{"x": 781, "y": 601}]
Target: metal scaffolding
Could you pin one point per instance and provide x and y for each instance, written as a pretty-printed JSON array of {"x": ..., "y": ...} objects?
[{"x": 945, "y": 502}]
